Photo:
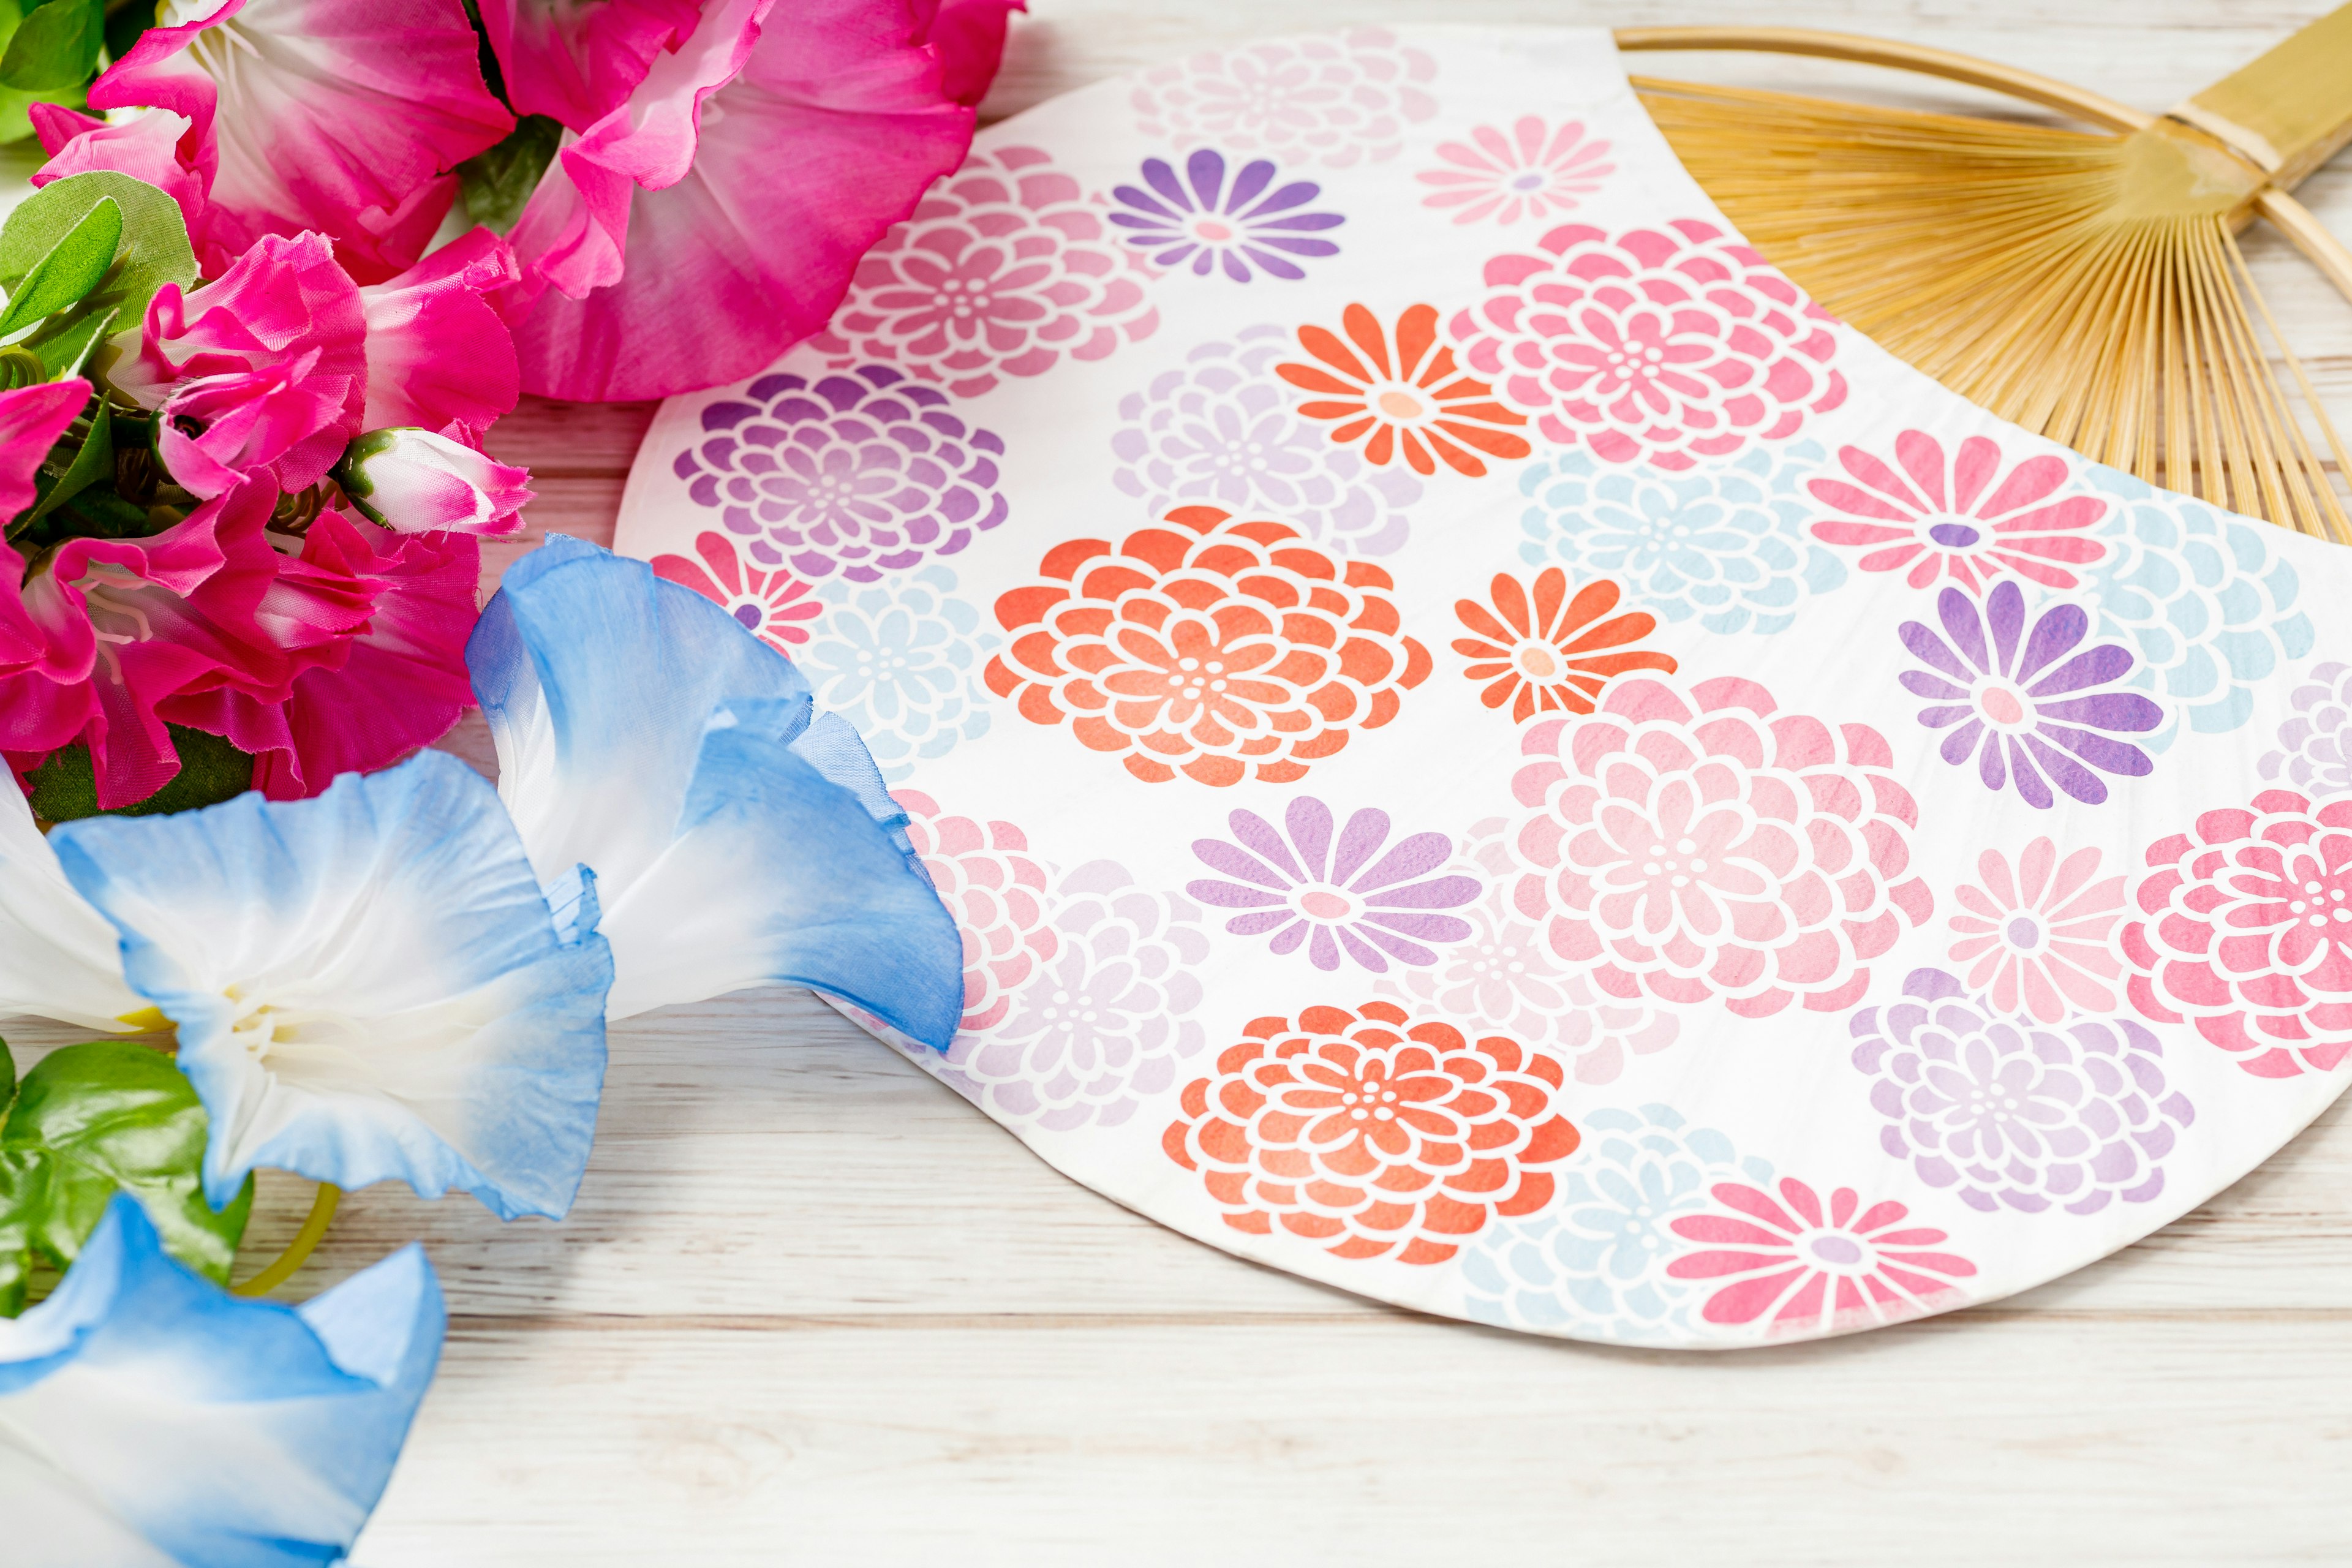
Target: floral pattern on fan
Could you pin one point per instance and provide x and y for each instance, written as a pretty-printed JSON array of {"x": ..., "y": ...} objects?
[
  {"x": 1202, "y": 223},
  {"x": 1931, "y": 515},
  {"x": 1338, "y": 100},
  {"x": 1338, "y": 892},
  {"x": 1000, "y": 896},
  {"x": 1595, "y": 1262},
  {"x": 1216, "y": 648},
  {"x": 1403, "y": 398},
  {"x": 2019, "y": 700},
  {"x": 861, "y": 474},
  {"x": 774, "y": 604},
  {"x": 2315, "y": 745},
  {"x": 2036, "y": 938},
  {"x": 900, "y": 659},
  {"x": 1722, "y": 545},
  {"x": 1372, "y": 1133},
  {"x": 1533, "y": 171},
  {"x": 2245, "y": 932},
  {"x": 1815, "y": 1269},
  {"x": 1102, "y": 1028},
  {"x": 1004, "y": 269},
  {"x": 1694, "y": 842},
  {"x": 1661, "y": 345},
  {"x": 2010, "y": 1115},
  {"x": 1221, "y": 429},
  {"x": 1539, "y": 649},
  {"x": 1504, "y": 978}
]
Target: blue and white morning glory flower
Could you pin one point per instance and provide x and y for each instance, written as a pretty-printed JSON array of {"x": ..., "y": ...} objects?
[
  {"x": 737, "y": 838},
  {"x": 368, "y": 987},
  {"x": 149, "y": 1418},
  {"x": 59, "y": 958}
]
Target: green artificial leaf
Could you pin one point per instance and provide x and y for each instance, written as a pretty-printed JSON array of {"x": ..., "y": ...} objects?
[
  {"x": 94, "y": 462},
  {"x": 74, "y": 267},
  {"x": 55, "y": 47},
  {"x": 14, "y": 124},
  {"x": 211, "y": 770},
  {"x": 94, "y": 1120},
  {"x": 153, "y": 250},
  {"x": 498, "y": 181}
]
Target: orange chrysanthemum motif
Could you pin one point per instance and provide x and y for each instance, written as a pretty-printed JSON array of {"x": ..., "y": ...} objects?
[
  {"x": 1552, "y": 656},
  {"x": 1207, "y": 645},
  {"x": 1373, "y": 1132},
  {"x": 1403, "y": 396}
]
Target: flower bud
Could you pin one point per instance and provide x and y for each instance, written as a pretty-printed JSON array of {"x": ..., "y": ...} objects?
[{"x": 413, "y": 481}]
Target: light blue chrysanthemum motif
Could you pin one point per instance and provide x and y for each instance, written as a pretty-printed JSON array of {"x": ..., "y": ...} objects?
[
  {"x": 1222, "y": 430},
  {"x": 1724, "y": 543},
  {"x": 1595, "y": 1262},
  {"x": 2208, "y": 602},
  {"x": 901, "y": 659}
]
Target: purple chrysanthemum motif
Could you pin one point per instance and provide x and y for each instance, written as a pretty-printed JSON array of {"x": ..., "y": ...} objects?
[
  {"x": 1203, "y": 220},
  {"x": 1334, "y": 98},
  {"x": 2013, "y": 1114},
  {"x": 860, "y": 473},
  {"x": 1336, "y": 890},
  {"x": 2025, "y": 698},
  {"x": 2315, "y": 745},
  {"x": 1221, "y": 429}
]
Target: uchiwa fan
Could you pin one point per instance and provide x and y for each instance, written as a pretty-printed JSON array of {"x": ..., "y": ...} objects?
[{"x": 2084, "y": 284}]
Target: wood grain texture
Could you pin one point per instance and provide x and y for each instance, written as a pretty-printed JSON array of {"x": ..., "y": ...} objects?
[{"x": 812, "y": 1308}]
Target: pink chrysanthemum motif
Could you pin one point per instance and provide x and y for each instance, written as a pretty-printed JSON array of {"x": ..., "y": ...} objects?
[
  {"x": 2247, "y": 932},
  {"x": 1533, "y": 171},
  {"x": 1005, "y": 268},
  {"x": 1962, "y": 514},
  {"x": 1663, "y": 345},
  {"x": 1505, "y": 977},
  {"x": 1690, "y": 842},
  {"x": 2034, "y": 936},
  {"x": 1000, "y": 895},
  {"x": 1816, "y": 1270},
  {"x": 1337, "y": 99}
]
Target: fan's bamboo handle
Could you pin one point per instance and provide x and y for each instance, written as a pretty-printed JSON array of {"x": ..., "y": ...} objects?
[{"x": 2290, "y": 111}]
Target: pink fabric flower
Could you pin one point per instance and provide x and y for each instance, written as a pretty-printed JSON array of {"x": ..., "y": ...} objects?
[
  {"x": 577, "y": 63},
  {"x": 263, "y": 371},
  {"x": 413, "y": 481},
  {"x": 2247, "y": 932},
  {"x": 439, "y": 356},
  {"x": 1000, "y": 896},
  {"x": 1959, "y": 516},
  {"x": 1534, "y": 171},
  {"x": 145, "y": 148},
  {"x": 769, "y": 602},
  {"x": 1001, "y": 271},
  {"x": 1689, "y": 842},
  {"x": 31, "y": 420},
  {"x": 1816, "y": 1270},
  {"x": 715, "y": 217},
  {"x": 1661, "y": 345},
  {"x": 2036, "y": 937},
  {"x": 342, "y": 116}
]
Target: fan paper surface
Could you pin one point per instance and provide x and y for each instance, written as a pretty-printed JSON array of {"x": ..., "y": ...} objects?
[{"x": 1489, "y": 753}]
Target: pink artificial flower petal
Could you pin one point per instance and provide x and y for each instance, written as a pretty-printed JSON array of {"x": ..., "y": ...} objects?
[
  {"x": 579, "y": 63},
  {"x": 438, "y": 352},
  {"x": 417, "y": 482},
  {"x": 342, "y": 116},
  {"x": 969, "y": 38},
  {"x": 742, "y": 242},
  {"x": 31, "y": 420},
  {"x": 145, "y": 148}
]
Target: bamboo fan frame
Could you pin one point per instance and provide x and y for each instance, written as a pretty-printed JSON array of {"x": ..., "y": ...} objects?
[{"x": 2256, "y": 457}]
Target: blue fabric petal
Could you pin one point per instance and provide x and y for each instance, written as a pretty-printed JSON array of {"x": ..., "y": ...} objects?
[
  {"x": 167, "y": 1420},
  {"x": 368, "y": 987}
]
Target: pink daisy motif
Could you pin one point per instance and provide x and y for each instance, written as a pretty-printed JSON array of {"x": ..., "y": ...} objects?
[
  {"x": 1533, "y": 171},
  {"x": 2035, "y": 937},
  {"x": 1958, "y": 515},
  {"x": 772, "y": 604},
  {"x": 1815, "y": 1270}
]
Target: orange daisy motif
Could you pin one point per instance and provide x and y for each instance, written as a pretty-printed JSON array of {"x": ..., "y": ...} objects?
[
  {"x": 1553, "y": 655},
  {"x": 1373, "y": 1132},
  {"x": 1403, "y": 396},
  {"x": 1215, "y": 647}
]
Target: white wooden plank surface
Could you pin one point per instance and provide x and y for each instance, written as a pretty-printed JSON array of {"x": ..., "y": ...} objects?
[{"x": 811, "y": 1309}]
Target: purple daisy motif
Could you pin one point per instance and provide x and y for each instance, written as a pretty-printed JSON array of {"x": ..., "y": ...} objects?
[
  {"x": 860, "y": 473},
  {"x": 1199, "y": 218},
  {"x": 1335, "y": 894},
  {"x": 2013, "y": 1114},
  {"x": 2025, "y": 698}
]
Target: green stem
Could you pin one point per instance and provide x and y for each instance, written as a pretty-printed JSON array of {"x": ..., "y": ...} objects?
[{"x": 299, "y": 1250}]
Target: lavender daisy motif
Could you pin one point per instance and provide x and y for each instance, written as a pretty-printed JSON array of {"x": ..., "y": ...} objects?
[
  {"x": 2025, "y": 698},
  {"x": 1335, "y": 894},
  {"x": 1200, "y": 220},
  {"x": 861, "y": 473}
]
